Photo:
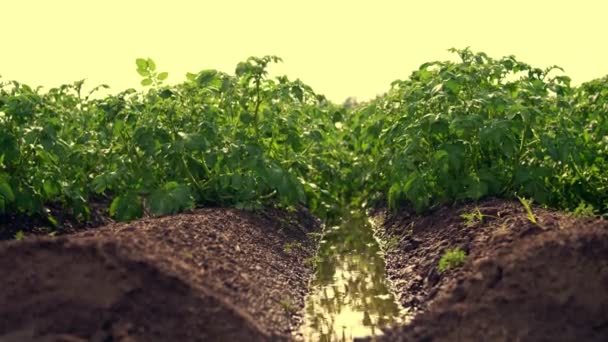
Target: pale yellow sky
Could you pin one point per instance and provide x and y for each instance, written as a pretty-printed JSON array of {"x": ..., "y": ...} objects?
[{"x": 340, "y": 48}]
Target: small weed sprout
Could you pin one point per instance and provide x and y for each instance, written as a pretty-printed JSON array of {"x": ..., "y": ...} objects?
[
  {"x": 390, "y": 243},
  {"x": 471, "y": 219},
  {"x": 288, "y": 306},
  {"x": 19, "y": 235},
  {"x": 527, "y": 204},
  {"x": 188, "y": 255},
  {"x": 289, "y": 247},
  {"x": 584, "y": 210},
  {"x": 451, "y": 259},
  {"x": 315, "y": 236},
  {"x": 312, "y": 261}
]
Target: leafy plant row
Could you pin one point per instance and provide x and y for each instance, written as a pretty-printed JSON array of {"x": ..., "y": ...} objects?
[
  {"x": 216, "y": 139},
  {"x": 452, "y": 131},
  {"x": 484, "y": 127}
]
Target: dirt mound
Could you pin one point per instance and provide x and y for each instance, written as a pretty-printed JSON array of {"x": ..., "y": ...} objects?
[
  {"x": 215, "y": 274},
  {"x": 521, "y": 281}
]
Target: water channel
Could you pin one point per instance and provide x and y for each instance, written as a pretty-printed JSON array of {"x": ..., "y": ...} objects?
[{"x": 350, "y": 296}]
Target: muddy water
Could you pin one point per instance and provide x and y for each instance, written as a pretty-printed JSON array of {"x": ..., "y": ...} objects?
[{"x": 350, "y": 296}]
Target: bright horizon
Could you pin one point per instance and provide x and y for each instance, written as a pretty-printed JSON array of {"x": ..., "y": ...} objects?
[{"x": 340, "y": 48}]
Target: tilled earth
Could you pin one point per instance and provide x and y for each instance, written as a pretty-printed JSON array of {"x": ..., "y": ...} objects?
[
  {"x": 208, "y": 275},
  {"x": 521, "y": 281}
]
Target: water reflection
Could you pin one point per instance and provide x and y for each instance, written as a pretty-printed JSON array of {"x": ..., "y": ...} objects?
[{"x": 350, "y": 296}]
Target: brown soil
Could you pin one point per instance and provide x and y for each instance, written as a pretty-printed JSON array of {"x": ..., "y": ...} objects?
[
  {"x": 208, "y": 275},
  {"x": 521, "y": 281}
]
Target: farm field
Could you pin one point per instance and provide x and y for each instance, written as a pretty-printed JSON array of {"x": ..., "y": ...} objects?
[{"x": 246, "y": 197}]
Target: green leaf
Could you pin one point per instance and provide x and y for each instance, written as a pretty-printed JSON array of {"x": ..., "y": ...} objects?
[
  {"x": 528, "y": 206},
  {"x": 205, "y": 77},
  {"x": 440, "y": 155},
  {"x": 52, "y": 220},
  {"x": 289, "y": 189},
  {"x": 476, "y": 188},
  {"x": 416, "y": 191},
  {"x": 165, "y": 94},
  {"x": 126, "y": 207},
  {"x": 144, "y": 139},
  {"x": 170, "y": 199},
  {"x": 143, "y": 72},
  {"x": 242, "y": 68},
  {"x": 141, "y": 63},
  {"x": 316, "y": 135},
  {"x": 452, "y": 85},
  {"x": 190, "y": 76},
  {"x": 246, "y": 118},
  {"x": 162, "y": 76},
  {"x": 26, "y": 201},
  {"x": 51, "y": 188},
  {"x": 195, "y": 142},
  {"x": 298, "y": 93},
  {"x": 146, "y": 82},
  {"x": 9, "y": 145},
  {"x": 236, "y": 181},
  {"x": 151, "y": 64},
  {"x": 394, "y": 195},
  {"x": 6, "y": 191},
  {"x": 103, "y": 181},
  {"x": 337, "y": 117}
]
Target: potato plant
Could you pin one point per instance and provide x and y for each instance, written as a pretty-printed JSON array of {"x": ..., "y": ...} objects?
[
  {"x": 482, "y": 127},
  {"x": 216, "y": 139}
]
